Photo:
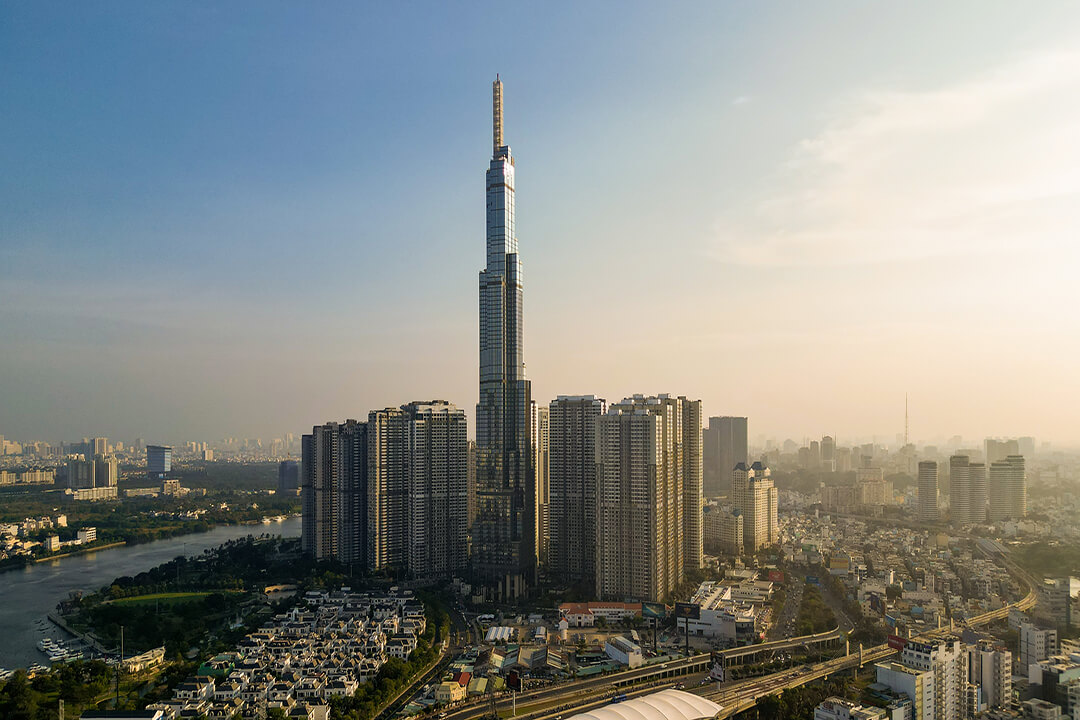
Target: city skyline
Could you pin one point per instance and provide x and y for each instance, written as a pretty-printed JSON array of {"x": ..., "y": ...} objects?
[{"x": 159, "y": 272}]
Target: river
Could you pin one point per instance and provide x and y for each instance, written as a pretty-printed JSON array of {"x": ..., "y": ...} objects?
[{"x": 26, "y": 596}]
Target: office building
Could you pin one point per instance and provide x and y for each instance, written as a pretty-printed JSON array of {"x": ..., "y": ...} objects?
[
  {"x": 755, "y": 499},
  {"x": 724, "y": 445},
  {"x": 541, "y": 425},
  {"x": 644, "y": 453},
  {"x": 288, "y": 478},
  {"x": 1025, "y": 446},
  {"x": 1007, "y": 489},
  {"x": 928, "y": 492},
  {"x": 158, "y": 461},
  {"x": 504, "y": 537},
  {"x": 828, "y": 454},
  {"x": 572, "y": 499},
  {"x": 998, "y": 450}
]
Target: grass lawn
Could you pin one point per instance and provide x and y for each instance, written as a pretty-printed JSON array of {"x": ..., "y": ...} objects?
[{"x": 169, "y": 598}]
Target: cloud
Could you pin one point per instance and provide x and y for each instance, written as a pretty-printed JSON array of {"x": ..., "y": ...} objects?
[
  {"x": 741, "y": 100},
  {"x": 984, "y": 165}
]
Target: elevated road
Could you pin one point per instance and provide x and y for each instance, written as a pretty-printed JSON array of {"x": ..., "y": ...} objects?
[{"x": 557, "y": 701}]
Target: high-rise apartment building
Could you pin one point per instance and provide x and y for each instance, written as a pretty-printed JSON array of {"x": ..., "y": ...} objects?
[
  {"x": 106, "y": 471},
  {"x": 645, "y": 449},
  {"x": 437, "y": 490},
  {"x": 388, "y": 490},
  {"x": 350, "y": 499},
  {"x": 389, "y": 494},
  {"x": 871, "y": 489},
  {"x": 933, "y": 675},
  {"x": 318, "y": 492},
  {"x": 967, "y": 491},
  {"x": 1007, "y": 489},
  {"x": 80, "y": 473},
  {"x": 504, "y": 534},
  {"x": 1036, "y": 644},
  {"x": 572, "y": 499},
  {"x": 928, "y": 491},
  {"x": 755, "y": 498},
  {"x": 541, "y": 428},
  {"x": 724, "y": 445},
  {"x": 990, "y": 667}
]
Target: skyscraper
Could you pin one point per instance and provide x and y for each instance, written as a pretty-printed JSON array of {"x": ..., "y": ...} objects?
[
  {"x": 828, "y": 454},
  {"x": 437, "y": 490},
  {"x": 504, "y": 536},
  {"x": 755, "y": 498},
  {"x": 1007, "y": 489},
  {"x": 318, "y": 492},
  {"x": 389, "y": 494},
  {"x": 572, "y": 503},
  {"x": 967, "y": 491},
  {"x": 541, "y": 422},
  {"x": 351, "y": 494},
  {"x": 388, "y": 489},
  {"x": 724, "y": 446},
  {"x": 928, "y": 491},
  {"x": 645, "y": 451}
]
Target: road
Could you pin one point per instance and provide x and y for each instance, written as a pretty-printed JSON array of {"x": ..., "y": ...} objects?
[
  {"x": 549, "y": 701},
  {"x": 734, "y": 697}
]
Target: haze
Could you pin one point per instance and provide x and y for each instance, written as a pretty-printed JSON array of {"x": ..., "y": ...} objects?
[{"x": 246, "y": 219}]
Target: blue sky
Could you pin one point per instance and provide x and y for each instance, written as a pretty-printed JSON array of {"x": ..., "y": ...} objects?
[{"x": 246, "y": 218}]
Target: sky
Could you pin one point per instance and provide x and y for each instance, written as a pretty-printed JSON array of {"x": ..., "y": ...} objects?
[{"x": 243, "y": 219}]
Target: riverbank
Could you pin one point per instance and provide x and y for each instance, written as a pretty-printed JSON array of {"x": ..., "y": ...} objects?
[
  {"x": 80, "y": 551},
  {"x": 270, "y": 522},
  {"x": 26, "y": 596}
]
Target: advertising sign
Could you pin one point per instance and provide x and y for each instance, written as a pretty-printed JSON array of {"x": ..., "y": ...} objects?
[
  {"x": 812, "y": 580},
  {"x": 653, "y": 611},
  {"x": 688, "y": 610},
  {"x": 896, "y": 642},
  {"x": 776, "y": 576}
]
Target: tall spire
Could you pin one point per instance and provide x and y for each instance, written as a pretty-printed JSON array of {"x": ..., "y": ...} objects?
[{"x": 496, "y": 115}]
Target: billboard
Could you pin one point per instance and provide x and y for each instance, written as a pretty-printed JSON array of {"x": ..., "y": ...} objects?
[
  {"x": 896, "y": 642},
  {"x": 689, "y": 611},
  {"x": 655, "y": 611},
  {"x": 776, "y": 576},
  {"x": 812, "y": 580}
]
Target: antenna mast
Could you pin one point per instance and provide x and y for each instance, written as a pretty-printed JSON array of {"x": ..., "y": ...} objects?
[{"x": 496, "y": 115}]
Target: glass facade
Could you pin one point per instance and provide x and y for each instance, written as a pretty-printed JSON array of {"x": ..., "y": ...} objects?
[{"x": 504, "y": 533}]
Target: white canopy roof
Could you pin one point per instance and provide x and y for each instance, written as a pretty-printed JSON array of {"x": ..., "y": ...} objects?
[{"x": 663, "y": 705}]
